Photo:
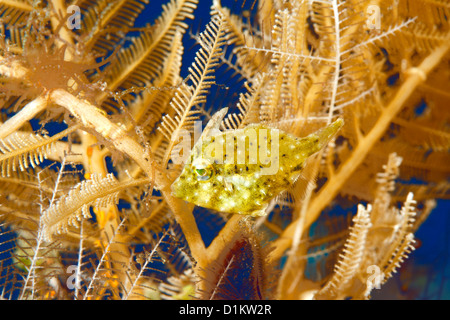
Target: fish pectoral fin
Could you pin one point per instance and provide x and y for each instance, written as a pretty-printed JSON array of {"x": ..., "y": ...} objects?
[
  {"x": 259, "y": 212},
  {"x": 294, "y": 177}
]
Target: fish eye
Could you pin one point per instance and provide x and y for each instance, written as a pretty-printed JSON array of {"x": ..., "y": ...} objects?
[
  {"x": 203, "y": 174},
  {"x": 203, "y": 170}
]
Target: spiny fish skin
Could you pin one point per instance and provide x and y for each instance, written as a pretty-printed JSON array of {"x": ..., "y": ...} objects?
[{"x": 241, "y": 171}]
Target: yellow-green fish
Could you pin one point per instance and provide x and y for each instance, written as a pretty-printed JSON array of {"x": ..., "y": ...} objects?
[{"x": 241, "y": 171}]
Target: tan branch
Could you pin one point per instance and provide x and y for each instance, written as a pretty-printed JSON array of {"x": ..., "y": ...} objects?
[{"x": 23, "y": 116}]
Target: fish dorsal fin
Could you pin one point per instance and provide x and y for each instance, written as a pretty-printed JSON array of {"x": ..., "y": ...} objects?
[{"x": 212, "y": 127}]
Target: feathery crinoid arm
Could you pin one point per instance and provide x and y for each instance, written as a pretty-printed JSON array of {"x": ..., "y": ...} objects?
[
  {"x": 141, "y": 61},
  {"x": 374, "y": 252},
  {"x": 189, "y": 96},
  {"x": 97, "y": 191},
  {"x": 351, "y": 258},
  {"x": 104, "y": 22}
]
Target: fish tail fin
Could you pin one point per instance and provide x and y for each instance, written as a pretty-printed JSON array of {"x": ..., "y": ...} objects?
[
  {"x": 328, "y": 133},
  {"x": 319, "y": 139}
]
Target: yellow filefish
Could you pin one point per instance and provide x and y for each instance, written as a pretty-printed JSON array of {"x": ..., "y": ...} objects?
[{"x": 236, "y": 171}]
